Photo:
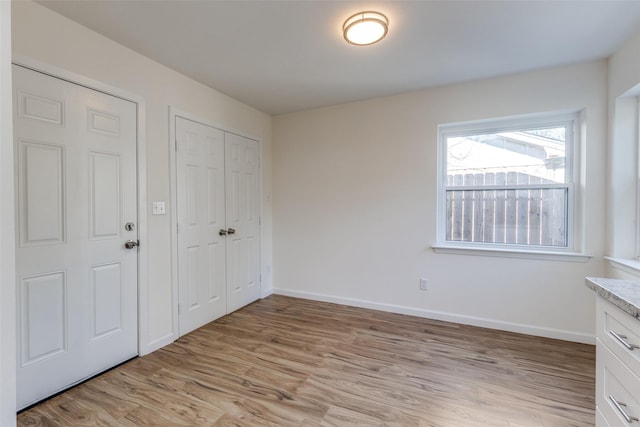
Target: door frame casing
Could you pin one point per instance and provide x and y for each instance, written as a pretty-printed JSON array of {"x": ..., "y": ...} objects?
[
  {"x": 144, "y": 347},
  {"x": 173, "y": 114},
  {"x": 7, "y": 228}
]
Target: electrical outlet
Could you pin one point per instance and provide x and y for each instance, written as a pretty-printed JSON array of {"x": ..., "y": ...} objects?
[{"x": 423, "y": 284}]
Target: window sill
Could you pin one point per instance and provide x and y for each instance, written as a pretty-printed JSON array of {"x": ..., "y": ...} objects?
[
  {"x": 627, "y": 265},
  {"x": 512, "y": 253}
]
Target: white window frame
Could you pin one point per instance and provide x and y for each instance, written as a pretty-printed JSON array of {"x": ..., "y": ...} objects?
[{"x": 571, "y": 119}]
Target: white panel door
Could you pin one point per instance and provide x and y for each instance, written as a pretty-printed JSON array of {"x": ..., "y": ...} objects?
[
  {"x": 201, "y": 217},
  {"x": 218, "y": 181},
  {"x": 76, "y": 190},
  {"x": 243, "y": 219}
]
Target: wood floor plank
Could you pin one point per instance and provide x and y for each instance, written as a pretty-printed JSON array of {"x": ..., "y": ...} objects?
[{"x": 290, "y": 362}]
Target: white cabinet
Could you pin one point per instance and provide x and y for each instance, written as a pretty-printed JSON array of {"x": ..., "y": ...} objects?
[{"x": 617, "y": 367}]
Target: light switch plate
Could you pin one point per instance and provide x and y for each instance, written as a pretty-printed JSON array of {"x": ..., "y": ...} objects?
[{"x": 158, "y": 208}]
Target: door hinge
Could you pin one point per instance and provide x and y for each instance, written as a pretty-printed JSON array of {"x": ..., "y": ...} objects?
[{"x": 179, "y": 308}]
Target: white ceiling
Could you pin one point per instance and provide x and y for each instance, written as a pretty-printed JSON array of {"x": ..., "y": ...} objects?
[{"x": 285, "y": 56}]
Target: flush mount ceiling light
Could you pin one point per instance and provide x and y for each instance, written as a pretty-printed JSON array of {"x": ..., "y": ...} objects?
[{"x": 365, "y": 28}]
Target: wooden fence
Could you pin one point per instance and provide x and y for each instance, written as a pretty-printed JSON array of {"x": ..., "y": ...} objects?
[{"x": 532, "y": 216}]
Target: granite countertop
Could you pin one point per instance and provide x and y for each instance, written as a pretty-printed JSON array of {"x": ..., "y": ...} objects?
[{"x": 624, "y": 294}]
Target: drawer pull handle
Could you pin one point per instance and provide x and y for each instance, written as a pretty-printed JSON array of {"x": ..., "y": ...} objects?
[
  {"x": 619, "y": 407},
  {"x": 623, "y": 340}
]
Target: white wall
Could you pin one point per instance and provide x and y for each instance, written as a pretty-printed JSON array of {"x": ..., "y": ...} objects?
[
  {"x": 7, "y": 233},
  {"x": 355, "y": 207},
  {"x": 52, "y": 39},
  {"x": 624, "y": 67},
  {"x": 622, "y": 170}
]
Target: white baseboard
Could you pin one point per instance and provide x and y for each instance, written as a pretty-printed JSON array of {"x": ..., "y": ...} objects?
[
  {"x": 266, "y": 292},
  {"x": 447, "y": 317},
  {"x": 171, "y": 337},
  {"x": 157, "y": 344}
]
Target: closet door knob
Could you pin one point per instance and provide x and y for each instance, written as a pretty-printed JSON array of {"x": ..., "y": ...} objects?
[
  {"x": 222, "y": 232},
  {"x": 231, "y": 231}
]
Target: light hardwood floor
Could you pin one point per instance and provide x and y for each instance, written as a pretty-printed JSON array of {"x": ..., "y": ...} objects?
[{"x": 290, "y": 362}]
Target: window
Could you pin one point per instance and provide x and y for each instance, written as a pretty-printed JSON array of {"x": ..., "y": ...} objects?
[{"x": 508, "y": 183}]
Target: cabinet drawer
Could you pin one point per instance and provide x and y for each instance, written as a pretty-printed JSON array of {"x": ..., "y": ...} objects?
[
  {"x": 600, "y": 421},
  {"x": 614, "y": 329},
  {"x": 617, "y": 390}
]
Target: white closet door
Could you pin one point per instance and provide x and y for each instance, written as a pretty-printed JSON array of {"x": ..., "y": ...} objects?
[
  {"x": 76, "y": 190},
  {"x": 201, "y": 216},
  {"x": 242, "y": 170},
  {"x": 218, "y": 199}
]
